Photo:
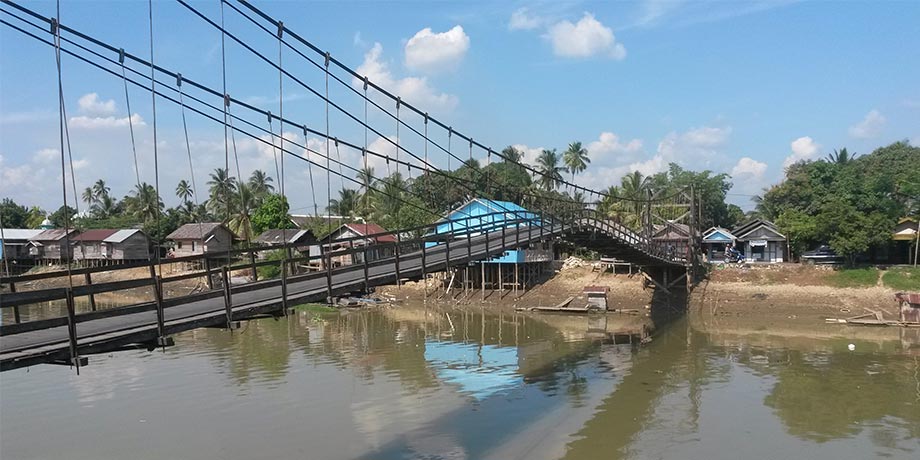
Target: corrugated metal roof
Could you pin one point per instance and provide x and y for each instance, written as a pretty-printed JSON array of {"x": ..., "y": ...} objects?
[
  {"x": 52, "y": 234},
  {"x": 277, "y": 236},
  {"x": 196, "y": 231},
  {"x": 19, "y": 233},
  {"x": 122, "y": 235},
  {"x": 371, "y": 229},
  {"x": 98, "y": 234}
]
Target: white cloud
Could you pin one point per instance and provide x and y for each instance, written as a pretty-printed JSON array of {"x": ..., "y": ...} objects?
[
  {"x": 803, "y": 148},
  {"x": 653, "y": 10},
  {"x": 436, "y": 52},
  {"x": 414, "y": 90},
  {"x": 87, "y": 122},
  {"x": 749, "y": 169},
  {"x": 530, "y": 153},
  {"x": 47, "y": 155},
  {"x": 586, "y": 38},
  {"x": 697, "y": 143},
  {"x": 521, "y": 19},
  {"x": 870, "y": 126},
  {"x": 91, "y": 105},
  {"x": 26, "y": 117},
  {"x": 610, "y": 143}
]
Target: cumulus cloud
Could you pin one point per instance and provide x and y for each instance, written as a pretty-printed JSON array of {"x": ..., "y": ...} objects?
[
  {"x": 870, "y": 126},
  {"x": 585, "y": 38},
  {"x": 88, "y": 122},
  {"x": 432, "y": 52},
  {"x": 47, "y": 155},
  {"x": 90, "y": 104},
  {"x": 803, "y": 148},
  {"x": 609, "y": 143},
  {"x": 522, "y": 19},
  {"x": 749, "y": 169},
  {"x": 530, "y": 153},
  {"x": 415, "y": 90},
  {"x": 697, "y": 143}
]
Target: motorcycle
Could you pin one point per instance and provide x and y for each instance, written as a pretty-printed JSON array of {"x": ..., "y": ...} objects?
[{"x": 734, "y": 257}]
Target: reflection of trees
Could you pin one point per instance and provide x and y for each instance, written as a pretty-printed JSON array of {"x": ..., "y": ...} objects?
[
  {"x": 260, "y": 350},
  {"x": 834, "y": 397}
]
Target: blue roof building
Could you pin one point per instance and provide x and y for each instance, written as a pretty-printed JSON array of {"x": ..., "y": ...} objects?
[{"x": 480, "y": 215}]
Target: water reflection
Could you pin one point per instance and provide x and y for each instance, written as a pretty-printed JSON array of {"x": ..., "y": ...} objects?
[{"x": 417, "y": 381}]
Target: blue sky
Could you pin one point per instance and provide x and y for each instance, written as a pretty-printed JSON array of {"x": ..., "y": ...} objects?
[{"x": 736, "y": 87}]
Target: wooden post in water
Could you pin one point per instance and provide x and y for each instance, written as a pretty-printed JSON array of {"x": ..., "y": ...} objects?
[
  {"x": 15, "y": 308},
  {"x": 207, "y": 273},
  {"x": 398, "y": 277},
  {"x": 424, "y": 279},
  {"x": 72, "y": 330},
  {"x": 284, "y": 304},
  {"x": 158, "y": 300},
  {"x": 92, "y": 297},
  {"x": 228, "y": 302}
]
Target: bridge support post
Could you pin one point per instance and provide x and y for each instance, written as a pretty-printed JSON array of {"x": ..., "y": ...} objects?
[
  {"x": 398, "y": 277},
  {"x": 207, "y": 273},
  {"x": 284, "y": 304},
  {"x": 72, "y": 330},
  {"x": 158, "y": 299},
  {"x": 482, "y": 285},
  {"x": 92, "y": 298},
  {"x": 228, "y": 301},
  {"x": 252, "y": 262},
  {"x": 367, "y": 283},
  {"x": 424, "y": 277},
  {"x": 16, "y": 315}
]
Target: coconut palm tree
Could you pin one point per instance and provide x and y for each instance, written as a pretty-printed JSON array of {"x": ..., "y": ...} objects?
[
  {"x": 100, "y": 189},
  {"x": 366, "y": 193},
  {"x": 105, "y": 207},
  {"x": 550, "y": 171},
  {"x": 260, "y": 184},
  {"x": 184, "y": 191},
  {"x": 143, "y": 202},
  {"x": 576, "y": 158},
  {"x": 512, "y": 155},
  {"x": 345, "y": 205},
  {"x": 88, "y": 196},
  {"x": 241, "y": 219},
  {"x": 840, "y": 157},
  {"x": 222, "y": 187}
]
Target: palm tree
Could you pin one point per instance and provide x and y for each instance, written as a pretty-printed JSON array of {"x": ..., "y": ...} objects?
[
  {"x": 222, "y": 188},
  {"x": 100, "y": 189},
  {"x": 550, "y": 171},
  {"x": 345, "y": 205},
  {"x": 512, "y": 155},
  {"x": 841, "y": 157},
  {"x": 184, "y": 191},
  {"x": 88, "y": 196},
  {"x": 241, "y": 219},
  {"x": 144, "y": 203},
  {"x": 260, "y": 183},
  {"x": 576, "y": 158},
  {"x": 365, "y": 199},
  {"x": 105, "y": 207}
]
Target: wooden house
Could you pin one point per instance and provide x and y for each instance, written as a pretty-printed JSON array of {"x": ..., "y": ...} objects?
[
  {"x": 903, "y": 248},
  {"x": 356, "y": 236},
  {"x": 52, "y": 244},
  {"x": 195, "y": 239},
  {"x": 13, "y": 242},
  {"x": 111, "y": 244},
  {"x": 760, "y": 241},
  {"x": 672, "y": 238},
  {"x": 302, "y": 241},
  {"x": 714, "y": 241}
]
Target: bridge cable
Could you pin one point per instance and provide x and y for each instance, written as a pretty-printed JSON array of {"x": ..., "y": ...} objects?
[
  {"x": 287, "y": 255},
  {"x": 137, "y": 173},
  {"x": 188, "y": 150},
  {"x": 156, "y": 166},
  {"x": 226, "y": 186}
]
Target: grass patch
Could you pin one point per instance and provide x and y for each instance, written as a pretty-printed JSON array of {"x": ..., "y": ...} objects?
[
  {"x": 316, "y": 308},
  {"x": 855, "y": 277},
  {"x": 902, "y": 278}
]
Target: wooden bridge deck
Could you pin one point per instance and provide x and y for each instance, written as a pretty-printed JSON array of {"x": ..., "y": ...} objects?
[{"x": 127, "y": 328}]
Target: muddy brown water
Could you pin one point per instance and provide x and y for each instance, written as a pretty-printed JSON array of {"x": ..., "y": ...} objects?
[{"x": 450, "y": 383}]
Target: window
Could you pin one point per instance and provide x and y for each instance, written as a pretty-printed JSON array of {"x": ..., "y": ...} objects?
[
  {"x": 178, "y": 245},
  {"x": 193, "y": 246}
]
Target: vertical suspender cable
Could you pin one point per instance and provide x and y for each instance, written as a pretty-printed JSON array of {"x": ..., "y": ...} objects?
[
  {"x": 71, "y": 323},
  {"x": 223, "y": 63},
  {"x": 285, "y": 263},
  {"x": 329, "y": 194},
  {"x": 124, "y": 79},
  {"x": 188, "y": 151},
  {"x": 156, "y": 170}
]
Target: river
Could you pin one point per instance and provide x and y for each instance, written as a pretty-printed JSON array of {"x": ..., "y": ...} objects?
[{"x": 412, "y": 382}]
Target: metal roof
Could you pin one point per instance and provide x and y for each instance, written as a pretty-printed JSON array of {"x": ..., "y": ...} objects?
[
  {"x": 98, "y": 234},
  {"x": 52, "y": 234},
  {"x": 196, "y": 231},
  {"x": 277, "y": 236},
  {"x": 19, "y": 233},
  {"x": 122, "y": 235}
]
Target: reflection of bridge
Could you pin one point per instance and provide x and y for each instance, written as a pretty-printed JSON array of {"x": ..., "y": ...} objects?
[{"x": 552, "y": 214}]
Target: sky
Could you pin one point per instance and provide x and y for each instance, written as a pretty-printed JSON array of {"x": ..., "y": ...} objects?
[{"x": 744, "y": 88}]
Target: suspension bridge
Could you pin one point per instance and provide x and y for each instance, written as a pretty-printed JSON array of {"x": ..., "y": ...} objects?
[{"x": 423, "y": 145}]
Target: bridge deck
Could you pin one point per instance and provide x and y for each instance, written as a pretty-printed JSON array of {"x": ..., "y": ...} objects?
[{"x": 112, "y": 332}]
